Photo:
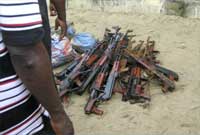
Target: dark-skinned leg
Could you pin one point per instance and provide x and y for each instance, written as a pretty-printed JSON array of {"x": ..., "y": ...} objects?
[{"x": 33, "y": 66}]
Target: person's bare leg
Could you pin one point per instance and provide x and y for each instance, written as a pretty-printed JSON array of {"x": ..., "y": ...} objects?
[{"x": 33, "y": 66}]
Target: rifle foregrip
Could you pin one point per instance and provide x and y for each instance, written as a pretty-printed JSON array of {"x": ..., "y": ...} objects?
[
  {"x": 109, "y": 87},
  {"x": 91, "y": 60}
]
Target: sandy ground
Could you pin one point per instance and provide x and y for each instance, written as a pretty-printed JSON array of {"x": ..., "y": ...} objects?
[{"x": 176, "y": 113}]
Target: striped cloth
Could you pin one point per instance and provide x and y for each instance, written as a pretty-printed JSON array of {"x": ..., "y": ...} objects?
[
  {"x": 20, "y": 113},
  {"x": 17, "y": 15}
]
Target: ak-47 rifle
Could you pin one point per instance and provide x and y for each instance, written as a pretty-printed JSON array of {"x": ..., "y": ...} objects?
[
  {"x": 82, "y": 67},
  {"x": 116, "y": 67},
  {"x": 166, "y": 82},
  {"x": 104, "y": 58},
  {"x": 96, "y": 91},
  {"x": 130, "y": 86},
  {"x": 112, "y": 79},
  {"x": 135, "y": 88}
]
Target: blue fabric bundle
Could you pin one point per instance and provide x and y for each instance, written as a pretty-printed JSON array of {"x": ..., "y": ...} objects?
[{"x": 84, "y": 41}]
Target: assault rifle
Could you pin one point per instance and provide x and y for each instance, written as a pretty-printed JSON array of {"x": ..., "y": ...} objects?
[
  {"x": 96, "y": 91},
  {"x": 81, "y": 67},
  {"x": 112, "y": 79},
  {"x": 116, "y": 67},
  {"x": 135, "y": 88}
]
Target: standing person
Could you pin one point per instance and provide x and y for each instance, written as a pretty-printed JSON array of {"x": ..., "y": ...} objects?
[{"x": 26, "y": 81}]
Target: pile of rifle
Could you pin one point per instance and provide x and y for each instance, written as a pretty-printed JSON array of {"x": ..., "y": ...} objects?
[{"x": 111, "y": 67}]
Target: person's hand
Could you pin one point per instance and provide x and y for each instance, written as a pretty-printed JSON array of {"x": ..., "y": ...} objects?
[
  {"x": 63, "y": 25},
  {"x": 53, "y": 11},
  {"x": 62, "y": 125},
  {"x": 58, "y": 9}
]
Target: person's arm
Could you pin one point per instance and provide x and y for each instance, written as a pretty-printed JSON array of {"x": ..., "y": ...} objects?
[
  {"x": 59, "y": 7},
  {"x": 33, "y": 66}
]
